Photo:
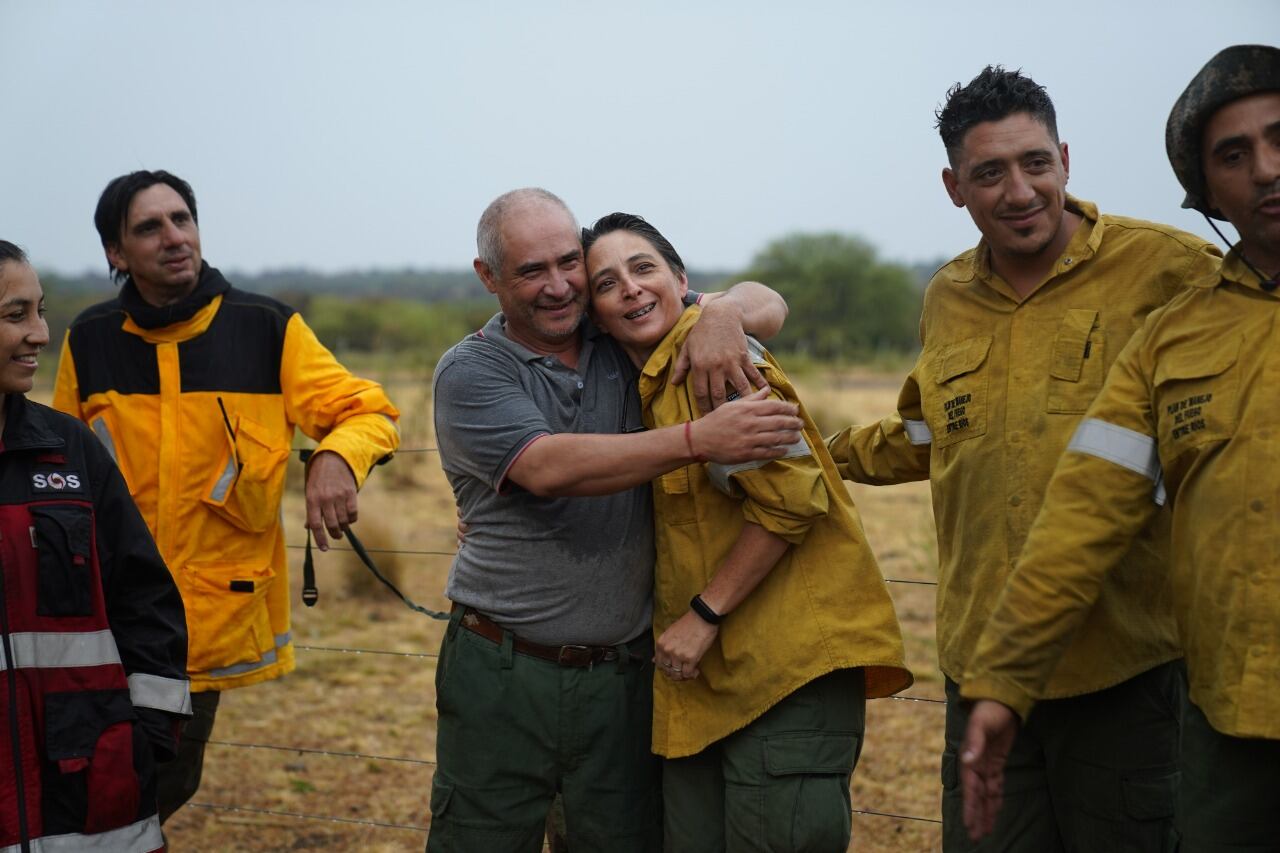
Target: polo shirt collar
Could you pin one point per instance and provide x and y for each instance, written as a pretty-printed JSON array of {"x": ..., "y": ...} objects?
[{"x": 495, "y": 331}]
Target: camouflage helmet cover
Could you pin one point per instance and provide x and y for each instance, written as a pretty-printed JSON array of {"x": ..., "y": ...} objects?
[{"x": 1236, "y": 72}]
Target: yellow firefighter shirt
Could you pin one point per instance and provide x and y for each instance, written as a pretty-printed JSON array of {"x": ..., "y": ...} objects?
[
  {"x": 999, "y": 387},
  {"x": 823, "y": 607},
  {"x": 1188, "y": 417}
]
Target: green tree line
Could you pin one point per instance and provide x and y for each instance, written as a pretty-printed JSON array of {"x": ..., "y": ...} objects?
[{"x": 846, "y": 303}]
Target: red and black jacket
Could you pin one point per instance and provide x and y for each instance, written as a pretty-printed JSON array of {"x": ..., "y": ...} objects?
[{"x": 93, "y": 645}]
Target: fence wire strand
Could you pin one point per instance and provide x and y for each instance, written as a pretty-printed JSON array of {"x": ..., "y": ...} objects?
[
  {"x": 330, "y": 752},
  {"x": 426, "y": 553},
  {"x": 330, "y": 818},
  {"x": 898, "y": 816}
]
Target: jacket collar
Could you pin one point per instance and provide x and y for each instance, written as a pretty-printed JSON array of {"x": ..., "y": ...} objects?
[
  {"x": 147, "y": 316},
  {"x": 26, "y": 426},
  {"x": 1236, "y": 271},
  {"x": 1084, "y": 244},
  {"x": 660, "y": 360}
]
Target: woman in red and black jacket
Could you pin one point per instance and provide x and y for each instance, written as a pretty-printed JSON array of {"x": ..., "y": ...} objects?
[{"x": 93, "y": 637}]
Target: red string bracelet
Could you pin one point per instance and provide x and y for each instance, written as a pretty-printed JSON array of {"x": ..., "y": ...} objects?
[{"x": 688, "y": 440}]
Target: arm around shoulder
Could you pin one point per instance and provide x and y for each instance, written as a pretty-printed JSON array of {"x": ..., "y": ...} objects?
[{"x": 569, "y": 464}]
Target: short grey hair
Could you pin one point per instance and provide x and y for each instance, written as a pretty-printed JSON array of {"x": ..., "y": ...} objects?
[{"x": 489, "y": 246}]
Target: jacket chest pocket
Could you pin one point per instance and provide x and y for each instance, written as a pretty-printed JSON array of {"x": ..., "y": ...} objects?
[
  {"x": 63, "y": 538},
  {"x": 247, "y": 488},
  {"x": 1078, "y": 367},
  {"x": 673, "y": 498},
  {"x": 955, "y": 405},
  {"x": 1196, "y": 394}
]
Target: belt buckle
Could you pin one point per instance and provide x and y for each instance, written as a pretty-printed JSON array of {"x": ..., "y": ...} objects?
[{"x": 574, "y": 656}]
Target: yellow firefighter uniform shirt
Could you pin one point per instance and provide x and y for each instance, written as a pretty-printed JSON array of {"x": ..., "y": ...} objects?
[
  {"x": 823, "y": 607},
  {"x": 1188, "y": 417},
  {"x": 988, "y": 409}
]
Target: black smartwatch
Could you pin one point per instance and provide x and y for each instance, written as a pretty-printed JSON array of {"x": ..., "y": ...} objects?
[{"x": 704, "y": 611}]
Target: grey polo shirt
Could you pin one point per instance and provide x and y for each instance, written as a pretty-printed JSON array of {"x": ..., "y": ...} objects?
[{"x": 551, "y": 570}]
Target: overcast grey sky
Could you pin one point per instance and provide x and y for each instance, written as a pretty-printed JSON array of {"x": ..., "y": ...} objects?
[{"x": 352, "y": 135}]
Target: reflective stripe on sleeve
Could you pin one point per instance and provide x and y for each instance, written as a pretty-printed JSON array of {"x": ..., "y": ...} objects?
[
  {"x": 99, "y": 427},
  {"x": 721, "y": 475},
  {"x": 163, "y": 694},
  {"x": 918, "y": 432},
  {"x": 48, "y": 650},
  {"x": 1124, "y": 447},
  {"x": 142, "y": 835}
]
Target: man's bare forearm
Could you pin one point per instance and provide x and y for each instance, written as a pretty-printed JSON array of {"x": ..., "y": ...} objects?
[
  {"x": 575, "y": 464},
  {"x": 572, "y": 464},
  {"x": 760, "y": 311}
]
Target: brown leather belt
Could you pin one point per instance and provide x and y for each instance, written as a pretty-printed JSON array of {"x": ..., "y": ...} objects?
[{"x": 575, "y": 656}]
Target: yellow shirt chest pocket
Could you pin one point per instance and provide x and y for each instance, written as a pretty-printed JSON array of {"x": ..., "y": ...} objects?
[
  {"x": 1197, "y": 388},
  {"x": 1078, "y": 363},
  {"x": 955, "y": 404},
  {"x": 673, "y": 497}
]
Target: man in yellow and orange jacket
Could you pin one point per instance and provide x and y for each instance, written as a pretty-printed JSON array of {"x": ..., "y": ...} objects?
[{"x": 195, "y": 389}]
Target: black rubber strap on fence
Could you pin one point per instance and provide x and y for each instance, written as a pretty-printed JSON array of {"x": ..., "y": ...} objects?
[
  {"x": 369, "y": 564},
  {"x": 310, "y": 594}
]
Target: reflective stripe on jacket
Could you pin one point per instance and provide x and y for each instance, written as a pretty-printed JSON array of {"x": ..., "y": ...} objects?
[
  {"x": 993, "y": 399},
  {"x": 92, "y": 645},
  {"x": 200, "y": 416},
  {"x": 823, "y": 607},
  {"x": 1187, "y": 414}
]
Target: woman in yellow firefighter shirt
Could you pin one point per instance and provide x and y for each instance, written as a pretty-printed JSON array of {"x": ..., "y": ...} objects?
[{"x": 774, "y": 622}]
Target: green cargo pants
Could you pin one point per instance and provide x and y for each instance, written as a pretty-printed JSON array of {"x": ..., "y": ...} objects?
[
  {"x": 1229, "y": 800},
  {"x": 512, "y": 730},
  {"x": 1089, "y": 773},
  {"x": 780, "y": 784}
]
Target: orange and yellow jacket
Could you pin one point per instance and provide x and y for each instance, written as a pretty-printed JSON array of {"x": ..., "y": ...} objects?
[{"x": 199, "y": 415}]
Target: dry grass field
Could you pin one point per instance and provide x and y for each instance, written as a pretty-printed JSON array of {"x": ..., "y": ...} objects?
[{"x": 337, "y": 756}]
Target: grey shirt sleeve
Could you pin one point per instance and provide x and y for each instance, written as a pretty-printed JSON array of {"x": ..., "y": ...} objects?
[{"x": 484, "y": 416}]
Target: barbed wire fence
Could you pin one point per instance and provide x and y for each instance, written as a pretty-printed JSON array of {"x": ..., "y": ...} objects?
[{"x": 360, "y": 756}]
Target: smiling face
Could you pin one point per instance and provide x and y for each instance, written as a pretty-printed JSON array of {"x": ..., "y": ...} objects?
[
  {"x": 1241, "y": 160},
  {"x": 159, "y": 245},
  {"x": 1012, "y": 177},
  {"x": 635, "y": 294},
  {"x": 541, "y": 287},
  {"x": 23, "y": 330}
]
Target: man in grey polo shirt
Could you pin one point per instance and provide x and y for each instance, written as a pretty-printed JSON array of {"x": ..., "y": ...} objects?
[{"x": 544, "y": 678}]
